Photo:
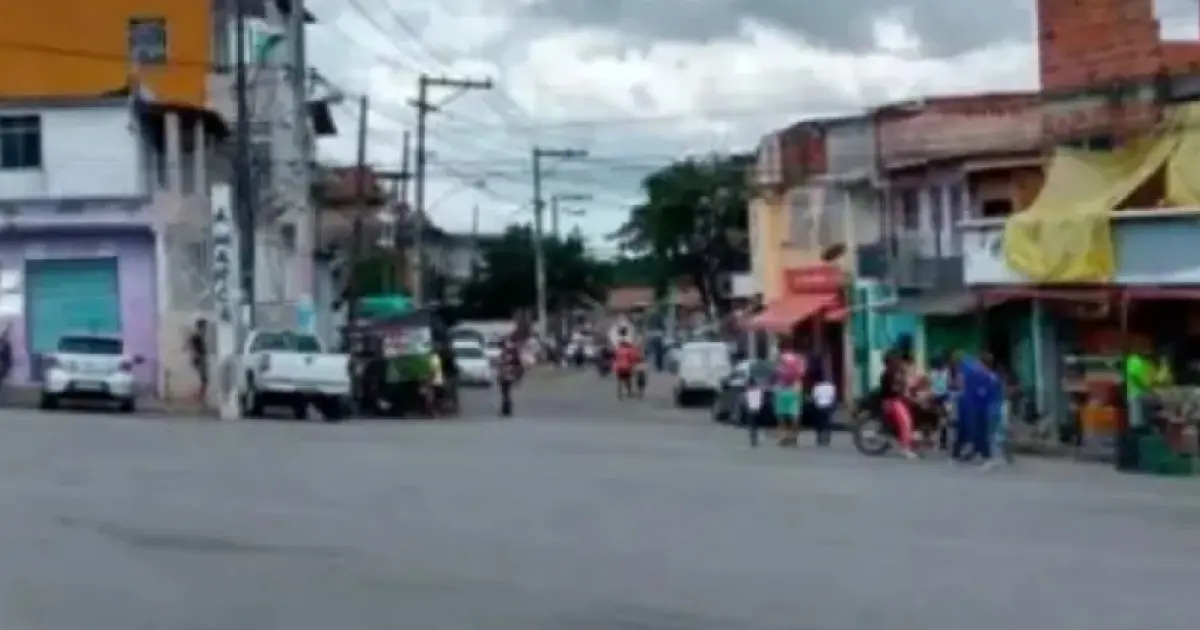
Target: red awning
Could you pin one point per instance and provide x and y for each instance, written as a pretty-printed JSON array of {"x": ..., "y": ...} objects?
[{"x": 782, "y": 314}]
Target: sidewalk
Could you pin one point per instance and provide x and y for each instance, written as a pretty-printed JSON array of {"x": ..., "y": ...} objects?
[{"x": 29, "y": 397}]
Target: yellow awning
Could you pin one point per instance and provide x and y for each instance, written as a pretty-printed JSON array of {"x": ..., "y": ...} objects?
[{"x": 1065, "y": 236}]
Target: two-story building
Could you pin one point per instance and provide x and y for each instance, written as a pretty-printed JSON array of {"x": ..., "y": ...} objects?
[
  {"x": 944, "y": 160},
  {"x": 185, "y": 53},
  {"x": 797, "y": 241},
  {"x": 89, "y": 191}
]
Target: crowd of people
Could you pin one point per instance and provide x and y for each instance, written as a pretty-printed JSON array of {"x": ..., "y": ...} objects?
[{"x": 961, "y": 395}]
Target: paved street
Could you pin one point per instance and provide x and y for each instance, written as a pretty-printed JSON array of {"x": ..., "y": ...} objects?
[{"x": 579, "y": 515}]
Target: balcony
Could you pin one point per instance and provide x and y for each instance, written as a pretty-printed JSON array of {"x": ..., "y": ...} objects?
[
  {"x": 908, "y": 267},
  {"x": 1153, "y": 247}
]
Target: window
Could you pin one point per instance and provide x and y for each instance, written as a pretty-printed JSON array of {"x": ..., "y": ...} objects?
[
  {"x": 803, "y": 220},
  {"x": 996, "y": 208},
  {"x": 148, "y": 41},
  {"x": 91, "y": 345},
  {"x": 910, "y": 209},
  {"x": 20, "y": 142}
]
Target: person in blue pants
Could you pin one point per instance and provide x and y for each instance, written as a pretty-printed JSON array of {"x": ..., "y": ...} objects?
[{"x": 978, "y": 399}]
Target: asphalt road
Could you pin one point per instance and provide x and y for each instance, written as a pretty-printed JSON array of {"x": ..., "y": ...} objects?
[{"x": 605, "y": 518}]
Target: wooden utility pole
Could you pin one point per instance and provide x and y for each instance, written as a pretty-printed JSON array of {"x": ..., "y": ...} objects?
[{"x": 424, "y": 108}]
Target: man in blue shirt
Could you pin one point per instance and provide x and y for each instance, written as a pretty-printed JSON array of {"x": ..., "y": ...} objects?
[{"x": 980, "y": 393}]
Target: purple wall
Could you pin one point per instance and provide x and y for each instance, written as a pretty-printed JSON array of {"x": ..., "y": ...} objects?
[{"x": 135, "y": 266}]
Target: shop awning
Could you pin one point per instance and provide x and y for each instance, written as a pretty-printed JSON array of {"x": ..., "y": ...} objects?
[{"x": 782, "y": 314}]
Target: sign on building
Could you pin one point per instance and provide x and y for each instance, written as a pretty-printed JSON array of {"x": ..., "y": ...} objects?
[{"x": 224, "y": 253}]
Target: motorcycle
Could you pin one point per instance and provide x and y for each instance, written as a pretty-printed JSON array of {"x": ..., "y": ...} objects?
[{"x": 875, "y": 434}]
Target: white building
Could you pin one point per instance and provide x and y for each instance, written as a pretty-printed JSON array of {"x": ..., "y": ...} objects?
[{"x": 104, "y": 212}]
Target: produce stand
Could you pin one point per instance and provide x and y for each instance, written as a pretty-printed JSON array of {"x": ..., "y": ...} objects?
[{"x": 1171, "y": 448}]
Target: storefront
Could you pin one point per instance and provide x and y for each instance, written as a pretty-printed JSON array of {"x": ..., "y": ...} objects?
[{"x": 810, "y": 314}]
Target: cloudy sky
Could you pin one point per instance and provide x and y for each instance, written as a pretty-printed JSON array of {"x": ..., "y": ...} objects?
[{"x": 636, "y": 82}]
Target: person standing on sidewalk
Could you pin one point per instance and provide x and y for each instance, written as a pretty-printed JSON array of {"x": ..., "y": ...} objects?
[
  {"x": 787, "y": 396},
  {"x": 824, "y": 395},
  {"x": 977, "y": 403}
]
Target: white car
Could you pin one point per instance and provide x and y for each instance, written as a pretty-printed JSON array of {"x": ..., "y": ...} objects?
[
  {"x": 291, "y": 369},
  {"x": 474, "y": 367},
  {"x": 90, "y": 367},
  {"x": 703, "y": 367}
]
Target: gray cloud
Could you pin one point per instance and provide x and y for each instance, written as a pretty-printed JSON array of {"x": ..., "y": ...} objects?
[{"x": 945, "y": 27}]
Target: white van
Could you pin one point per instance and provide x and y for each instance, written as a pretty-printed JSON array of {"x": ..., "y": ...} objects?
[{"x": 702, "y": 367}]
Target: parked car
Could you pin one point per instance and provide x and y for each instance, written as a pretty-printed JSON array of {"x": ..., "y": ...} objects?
[
  {"x": 90, "y": 367},
  {"x": 474, "y": 367},
  {"x": 292, "y": 369},
  {"x": 703, "y": 366},
  {"x": 730, "y": 403}
]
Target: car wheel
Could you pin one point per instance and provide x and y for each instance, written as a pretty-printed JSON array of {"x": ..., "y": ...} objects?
[
  {"x": 49, "y": 401},
  {"x": 128, "y": 405},
  {"x": 333, "y": 410},
  {"x": 252, "y": 406},
  {"x": 719, "y": 415}
]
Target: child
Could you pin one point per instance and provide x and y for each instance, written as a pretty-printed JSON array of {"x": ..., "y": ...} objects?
[{"x": 824, "y": 404}]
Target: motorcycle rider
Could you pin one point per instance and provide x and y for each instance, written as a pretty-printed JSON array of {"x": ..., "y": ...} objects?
[{"x": 893, "y": 392}]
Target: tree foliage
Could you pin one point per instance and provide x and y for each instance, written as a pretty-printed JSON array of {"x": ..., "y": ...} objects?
[
  {"x": 693, "y": 222},
  {"x": 505, "y": 283}
]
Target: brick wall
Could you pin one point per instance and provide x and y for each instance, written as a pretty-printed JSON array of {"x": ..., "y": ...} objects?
[{"x": 1091, "y": 42}]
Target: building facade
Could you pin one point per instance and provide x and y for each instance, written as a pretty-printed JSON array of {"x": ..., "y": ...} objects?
[{"x": 85, "y": 227}]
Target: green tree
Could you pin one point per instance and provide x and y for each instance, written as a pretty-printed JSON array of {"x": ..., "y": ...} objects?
[
  {"x": 693, "y": 222},
  {"x": 505, "y": 283}
]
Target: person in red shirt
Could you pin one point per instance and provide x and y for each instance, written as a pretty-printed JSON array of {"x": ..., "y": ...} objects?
[{"x": 623, "y": 363}]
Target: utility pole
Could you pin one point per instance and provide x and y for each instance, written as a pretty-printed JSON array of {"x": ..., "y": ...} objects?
[
  {"x": 244, "y": 197},
  {"x": 556, "y": 209},
  {"x": 394, "y": 217},
  {"x": 306, "y": 223},
  {"x": 424, "y": 84},
  {"x": 539, "y": 253},
  {"x": 356, "y": 244}
]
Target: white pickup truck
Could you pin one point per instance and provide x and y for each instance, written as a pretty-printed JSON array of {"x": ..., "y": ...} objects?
[{"x": 291, "y": 369}]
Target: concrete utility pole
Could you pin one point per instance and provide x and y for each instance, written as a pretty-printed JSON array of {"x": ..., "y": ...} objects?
[
  {"x": 306, "y": 225},
  {"x": 539, "y": 253},
  {"x": 556, "y": 209},
  {"x": 356, "y": 238},
  {"x": 245, "y": 202},
  {"x": 424, "y": 108}
]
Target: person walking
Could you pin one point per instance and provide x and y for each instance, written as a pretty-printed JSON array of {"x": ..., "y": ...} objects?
[
  {"x": 511, "y": 370},
  {"x": 625, "y": 359}
]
